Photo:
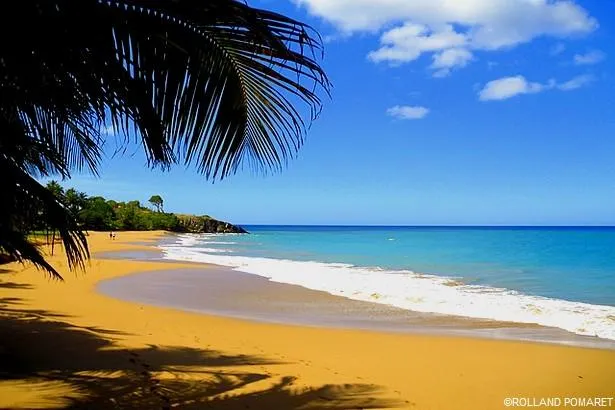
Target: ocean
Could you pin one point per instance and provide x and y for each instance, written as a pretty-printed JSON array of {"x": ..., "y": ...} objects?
[{"x": 561, "y": 277}]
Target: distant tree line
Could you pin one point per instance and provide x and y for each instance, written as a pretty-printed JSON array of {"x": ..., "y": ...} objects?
[{"x": 100, "y": 214}]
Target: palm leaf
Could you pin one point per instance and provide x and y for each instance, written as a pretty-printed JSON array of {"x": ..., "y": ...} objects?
[
  {"x": 216, "y": 84},
  {"x": 32, "y": 201}
]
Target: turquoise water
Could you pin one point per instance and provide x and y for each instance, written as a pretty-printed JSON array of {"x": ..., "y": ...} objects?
[
  {"x": 557, "y": 277},
  {"x": 576, "y": 264}
]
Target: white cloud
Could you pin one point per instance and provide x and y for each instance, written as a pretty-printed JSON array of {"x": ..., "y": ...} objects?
[
  {"x": 508, "y": 87},
  {"x": 406, "y": 112},
  {"x": 409, "y": 41},
  {"x": 437, "y": 26},
  {"x": 592, "y": 57},
  {"x": 575, "y": 83},
  {"x": 446, "y": 60}
]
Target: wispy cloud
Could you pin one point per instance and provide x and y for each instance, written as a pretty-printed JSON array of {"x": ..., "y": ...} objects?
[
  {"x": 445, "y": 61},
  {"x": 557, "y": 49},
  {"x": 592, "y": 57},
  {"x": 508, "y": 87},
  {"x": 407, "y": 112},
  {"x": 575, "y": 83}
]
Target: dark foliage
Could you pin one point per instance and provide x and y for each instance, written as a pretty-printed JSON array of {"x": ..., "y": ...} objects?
[
  {"x": 215, "y": 84},
  {"x": 100, "y": 214}
]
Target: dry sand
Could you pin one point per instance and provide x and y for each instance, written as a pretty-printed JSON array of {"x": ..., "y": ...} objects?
[{"x": 64, "y": 345}]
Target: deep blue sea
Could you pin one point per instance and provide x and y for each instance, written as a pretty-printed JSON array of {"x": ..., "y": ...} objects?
[{"x": 555, "y": 276}]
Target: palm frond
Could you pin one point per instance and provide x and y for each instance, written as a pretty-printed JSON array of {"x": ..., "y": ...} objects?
[
  {"x": 216, "y": 84},
  {"x": 30, "y": 201},
  {"x": 206, "y": 82}
]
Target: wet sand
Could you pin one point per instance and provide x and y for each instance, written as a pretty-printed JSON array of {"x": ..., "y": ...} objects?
[
  {"x": 222, "y": 291},
  {"x": 65, "y": 345}
]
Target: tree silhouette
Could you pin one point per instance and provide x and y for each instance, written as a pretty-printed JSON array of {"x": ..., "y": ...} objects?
[
  {"x": 75, "y": 201},
  {"x": 216, "y": 84},
  {"x": 156, "y": 201},
  {"x": 56, "y": 189}
]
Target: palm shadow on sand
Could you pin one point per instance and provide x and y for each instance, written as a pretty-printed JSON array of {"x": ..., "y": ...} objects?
[{"x": 37, "y": 347}]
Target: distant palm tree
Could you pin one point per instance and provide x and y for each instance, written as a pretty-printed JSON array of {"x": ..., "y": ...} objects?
[
  {"x": 213, "y": 83},
  {"x": 157, "y": 201},
  {"x": 55, "y": 188},
  {"x": 74, "y": 200}
]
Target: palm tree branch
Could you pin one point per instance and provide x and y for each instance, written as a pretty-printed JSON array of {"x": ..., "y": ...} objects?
[
  {"x": 243, "y": 45},
  {"x": 27, "y": 193}
]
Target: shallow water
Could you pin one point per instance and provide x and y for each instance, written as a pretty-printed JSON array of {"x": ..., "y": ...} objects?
[{"x": 556, "y": 277}]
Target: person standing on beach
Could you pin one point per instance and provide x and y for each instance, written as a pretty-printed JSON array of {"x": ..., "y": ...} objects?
[{"x": 110, "y": 235}]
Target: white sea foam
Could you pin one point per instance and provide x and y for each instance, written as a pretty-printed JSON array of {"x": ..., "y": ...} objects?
[
  {"x": 212, "y": 250},
  {"x": 191, "y": 241},
  {"x": 413, "y": 291}
]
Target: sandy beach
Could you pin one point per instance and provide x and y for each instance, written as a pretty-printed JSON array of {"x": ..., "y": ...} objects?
[{"x": 64, "y": 345}]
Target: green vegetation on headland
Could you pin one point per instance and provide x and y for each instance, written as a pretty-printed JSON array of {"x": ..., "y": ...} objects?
[{"x": 100, "y": 214}]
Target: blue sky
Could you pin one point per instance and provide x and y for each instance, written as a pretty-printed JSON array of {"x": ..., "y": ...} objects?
[{"x": 466, "y": 112}]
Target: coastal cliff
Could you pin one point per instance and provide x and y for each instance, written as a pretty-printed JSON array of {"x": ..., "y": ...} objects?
[
  {"x": 96, "y": 213},
  {"x": 205, "y": 224}
]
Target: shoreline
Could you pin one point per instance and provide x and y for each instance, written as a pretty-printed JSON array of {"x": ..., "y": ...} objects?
[
  {"x": 90, "y": 350},
  {"x": 418, "y": 292},
  {"x": 255, "y": 298}
]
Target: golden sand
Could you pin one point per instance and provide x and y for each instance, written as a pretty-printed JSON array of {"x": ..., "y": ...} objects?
[{"x": 64, "y": 345}]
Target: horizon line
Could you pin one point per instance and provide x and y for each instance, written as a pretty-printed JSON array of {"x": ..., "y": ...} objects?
[{"x": 431, "y": 226}]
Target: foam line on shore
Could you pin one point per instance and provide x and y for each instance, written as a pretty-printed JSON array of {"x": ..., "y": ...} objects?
[{"x": 411, "y": 290}]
